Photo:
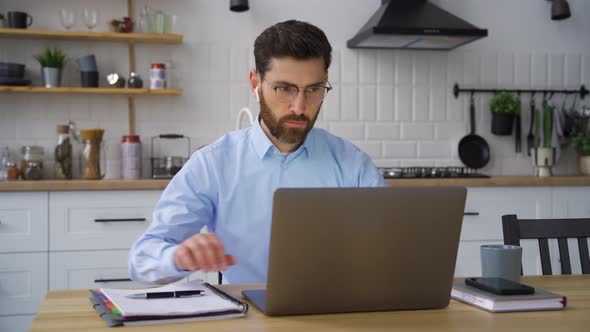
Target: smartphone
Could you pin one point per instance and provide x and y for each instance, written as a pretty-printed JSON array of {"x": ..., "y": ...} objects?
[{"x": 499, "y": 286}]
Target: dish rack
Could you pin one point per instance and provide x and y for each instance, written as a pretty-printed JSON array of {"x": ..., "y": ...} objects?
[{"x": 166, "y": 166}]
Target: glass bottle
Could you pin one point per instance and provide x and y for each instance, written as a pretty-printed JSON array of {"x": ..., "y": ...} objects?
[
  {"x": 63, "y": 153},
  {"x": 32, "y": 163},
  {"x": 93, "y": 155}
]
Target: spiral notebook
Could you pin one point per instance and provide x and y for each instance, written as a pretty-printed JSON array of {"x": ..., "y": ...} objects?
[{"x": 116, "y": 308}]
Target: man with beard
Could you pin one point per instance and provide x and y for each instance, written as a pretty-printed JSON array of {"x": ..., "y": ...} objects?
[{"x": 228, "y": 185}]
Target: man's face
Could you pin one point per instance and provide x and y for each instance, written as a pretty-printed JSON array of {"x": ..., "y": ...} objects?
[{"x": 290, "y": 121}]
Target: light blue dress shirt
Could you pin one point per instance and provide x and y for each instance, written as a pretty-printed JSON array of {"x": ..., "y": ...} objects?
[{"x": 228, "y": 186}]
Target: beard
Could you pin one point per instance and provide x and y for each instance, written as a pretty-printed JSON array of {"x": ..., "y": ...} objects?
[{"x": 279, "y": 130}]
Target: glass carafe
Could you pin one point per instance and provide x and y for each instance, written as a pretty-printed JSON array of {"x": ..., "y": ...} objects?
[{"x": 92, "y": 159}]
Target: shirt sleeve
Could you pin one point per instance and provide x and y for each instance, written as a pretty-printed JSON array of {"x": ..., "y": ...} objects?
[
  {"x": 370, "y": 175},
  {"x": 185, "y": 207}
]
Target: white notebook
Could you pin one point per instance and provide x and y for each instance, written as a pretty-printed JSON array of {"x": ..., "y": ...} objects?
[{"x": 214, "y": 303}]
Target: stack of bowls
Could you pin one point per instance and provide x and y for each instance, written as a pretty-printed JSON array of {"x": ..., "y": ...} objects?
[
  {"x": 12, "y": 74},
  {"x": 88, "y": 71}
]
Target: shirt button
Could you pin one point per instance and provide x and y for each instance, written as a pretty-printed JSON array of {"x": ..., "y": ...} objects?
[{"x": 284, "y": 166}]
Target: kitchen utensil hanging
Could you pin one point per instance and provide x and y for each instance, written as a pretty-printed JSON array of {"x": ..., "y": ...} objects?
[
  {"x": 582, "y": 91},
  {"x": 474, "y": 150}
]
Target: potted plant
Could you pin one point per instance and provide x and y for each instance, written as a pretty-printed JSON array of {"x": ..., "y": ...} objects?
[
  {"x": 543, "y": 153},
  {"x": 582, "y": 146},
  {"x": 52, "y": 62},
  {"x": 504, "y": 107}
]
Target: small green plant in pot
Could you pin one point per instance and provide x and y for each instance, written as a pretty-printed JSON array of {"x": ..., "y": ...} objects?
[
  {"x": 504, "y": 107},
  {"x": 52, "y": 62},
  {"x": 582, "y": 146}
]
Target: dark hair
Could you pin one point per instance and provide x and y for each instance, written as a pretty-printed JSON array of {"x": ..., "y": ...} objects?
[{"x": 300, "y": 40}]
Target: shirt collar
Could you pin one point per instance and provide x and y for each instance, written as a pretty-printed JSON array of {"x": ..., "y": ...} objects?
[{"x": 262, "y": 144}]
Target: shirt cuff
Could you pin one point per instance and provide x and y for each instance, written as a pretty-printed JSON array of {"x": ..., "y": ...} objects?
[{"x": 169, "y": 270}]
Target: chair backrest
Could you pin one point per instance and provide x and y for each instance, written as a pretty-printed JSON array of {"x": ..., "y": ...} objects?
[{"x": 543, "y": 229}]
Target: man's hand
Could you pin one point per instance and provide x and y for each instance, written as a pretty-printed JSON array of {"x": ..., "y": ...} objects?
[{"x": 202, "y": 251}]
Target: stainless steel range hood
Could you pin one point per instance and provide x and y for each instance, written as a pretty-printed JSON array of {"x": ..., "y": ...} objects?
[{"x": 415, "y": 24}]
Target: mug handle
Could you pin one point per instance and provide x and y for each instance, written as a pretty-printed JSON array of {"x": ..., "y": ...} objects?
[{"x": 31, "y": 20}]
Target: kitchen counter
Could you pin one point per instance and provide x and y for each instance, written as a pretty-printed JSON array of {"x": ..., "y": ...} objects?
[{"x": 150, "y": 184}]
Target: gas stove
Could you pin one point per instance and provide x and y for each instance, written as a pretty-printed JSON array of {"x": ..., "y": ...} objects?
[{"x": 429, "y": 172}]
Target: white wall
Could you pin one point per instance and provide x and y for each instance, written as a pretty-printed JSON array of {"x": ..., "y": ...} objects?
[{"x": 396, "y": 105}]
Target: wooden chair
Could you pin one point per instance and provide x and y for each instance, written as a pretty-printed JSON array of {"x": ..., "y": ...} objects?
[{"x": 542, "y": 229}]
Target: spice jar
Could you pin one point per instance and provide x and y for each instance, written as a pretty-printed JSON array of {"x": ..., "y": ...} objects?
[
  {"x": 158, "y": 76},
  {"x": 32, "y": 163},
  {"x": 11, "y": 171},
  {"x": 130, "y": 157}
]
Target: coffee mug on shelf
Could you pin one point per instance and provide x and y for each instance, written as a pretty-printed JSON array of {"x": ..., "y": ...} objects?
[{"x": 19, "y": 20}]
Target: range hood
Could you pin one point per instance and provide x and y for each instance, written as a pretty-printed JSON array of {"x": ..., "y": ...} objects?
[{"x": 415, "y": 24}]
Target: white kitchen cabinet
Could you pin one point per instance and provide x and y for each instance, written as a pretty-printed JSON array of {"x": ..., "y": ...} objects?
[
  {"x": 23, "y": 282},
  {"x": 17, "y": 323},
  {"x": 23, "y": 222},
  {"x": 99, "y": 220},
  {"x": 89, "y": 269}
]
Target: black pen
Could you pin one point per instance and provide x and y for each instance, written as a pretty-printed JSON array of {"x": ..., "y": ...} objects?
[{"x": 165, "y": 295}]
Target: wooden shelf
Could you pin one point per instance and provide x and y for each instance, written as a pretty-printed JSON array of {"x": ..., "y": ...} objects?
[
  {"x": 103, "y": 91},
  {"x": 92, "y": 36}
]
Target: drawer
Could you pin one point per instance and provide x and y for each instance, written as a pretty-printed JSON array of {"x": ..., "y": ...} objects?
[
  {"x": 23, "y": 282},
  {"x": 99, "y": 220},
  {"x": 20, "y": 323},
  {"x": 23, "y": 222},
  {"x": 89, "y": 269},
  {"x": 489, "y": 204}
]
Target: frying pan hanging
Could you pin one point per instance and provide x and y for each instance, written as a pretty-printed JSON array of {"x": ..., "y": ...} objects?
[{"x": 474, "y": 151}]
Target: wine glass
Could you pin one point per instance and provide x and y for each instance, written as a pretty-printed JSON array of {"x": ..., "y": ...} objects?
[
  {"x": 67, "y": 18},
  {"x": 90, "y": 16}
]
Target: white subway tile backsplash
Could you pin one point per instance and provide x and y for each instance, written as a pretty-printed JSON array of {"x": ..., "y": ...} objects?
[
  {"x": 522, "y": 74},
  {"x": 335, "y": 68},
  {"x": 347, "y": 130},
  {"x": 368, "y": 103},
  {"x": 368, "y": 66},
  {"x": 438, "y": 69},
  {"x": 239, "y": 66},
  {"x": 385, "y": 103},
  {"x": 471, "y": 69},
  {"x": 437, "y": 102},
  {"x": 539, "y": 70},
  {"x": 421, "y": 68},
  {"x": 421, "y": 104},
  {"x": 556, "y": 70},
  {"x": 373, "y": 149},
  {"x": 573, "y": 70},
  {"x": 399, "y": 150},
  {"x": 385, "y": 67},
  {"x": 489, "y": 70},
  {"x": 349, "y": 103},
  {"x": 506, "y": 70},
  {"x": 349, "y": 65},
  {"x": 396, "y": 105},
  {"x": 417, "y": 131},
  {"x": 434, "y": 149},
  {"x": 383, "y": 131},
  {"x": 403, "y": 68},
  {"x": 331, "y": 106},
  {"x": 219, "y": 64},
  {"x": 586, "y": 70},
  {"x": 403, "y": 99}
]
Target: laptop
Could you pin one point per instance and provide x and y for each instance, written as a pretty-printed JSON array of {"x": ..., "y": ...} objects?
[{"x": 336, "y": 250}]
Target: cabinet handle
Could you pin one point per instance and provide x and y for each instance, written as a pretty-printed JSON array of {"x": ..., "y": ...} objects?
[
  {"x": 112, "y": 280},
  {"x": 119, "y": 220},
  {"x": 471, "y": 213}
]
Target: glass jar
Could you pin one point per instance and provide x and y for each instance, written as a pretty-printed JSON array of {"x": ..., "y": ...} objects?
[
  {"x": 63, "y": 153},
  {"x": 92, "y": 159},
  {"x": 32, "y": 163}
]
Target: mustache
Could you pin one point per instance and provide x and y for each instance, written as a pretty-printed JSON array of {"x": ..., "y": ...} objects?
[{"x": 293, "y": 117}]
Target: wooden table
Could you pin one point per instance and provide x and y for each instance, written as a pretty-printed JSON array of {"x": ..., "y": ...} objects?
[{"x": 70, "y": 311}]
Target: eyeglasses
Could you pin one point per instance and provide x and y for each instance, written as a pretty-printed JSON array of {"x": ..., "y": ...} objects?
[{"x": 314, "y": 94}]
